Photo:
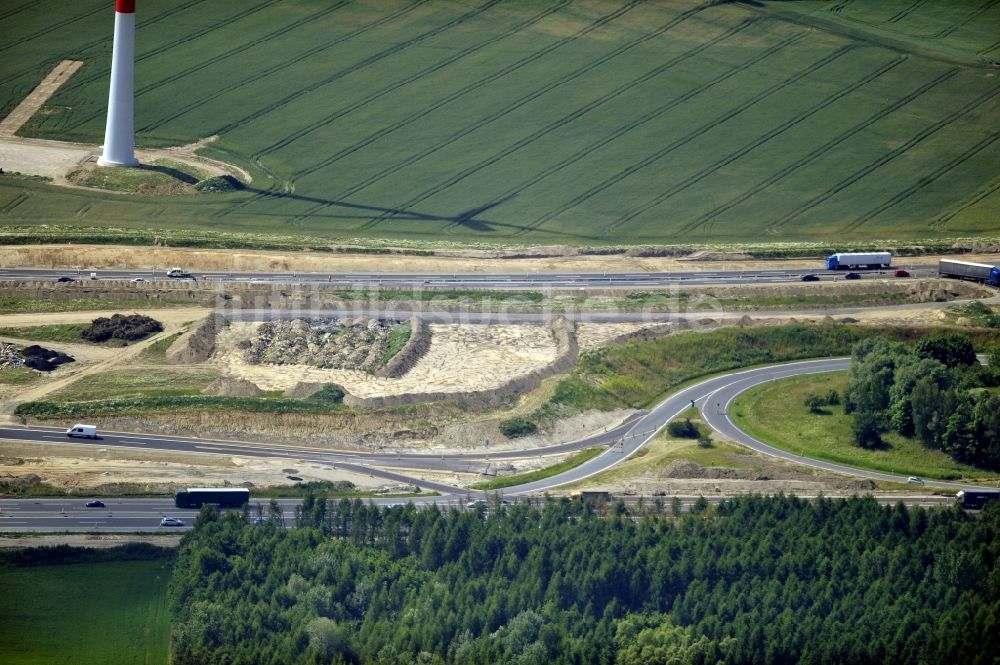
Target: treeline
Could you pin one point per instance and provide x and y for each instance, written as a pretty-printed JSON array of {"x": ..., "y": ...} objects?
[
  {"x": 755, "y": 580},
  {"x": 935, "y": 391}
]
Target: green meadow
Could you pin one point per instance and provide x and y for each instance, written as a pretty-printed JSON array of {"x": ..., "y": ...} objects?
[
  {"x": 582, "y": 122},
  {"x": 86, "y": 613}
]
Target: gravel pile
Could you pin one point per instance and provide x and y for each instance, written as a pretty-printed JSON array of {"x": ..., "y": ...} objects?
[{"x": 358, "y": 344}]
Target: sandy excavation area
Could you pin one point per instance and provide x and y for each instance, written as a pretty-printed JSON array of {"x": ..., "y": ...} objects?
[
  {"x": 89, "y": 467},
  {"x": 460, "y": 358}
]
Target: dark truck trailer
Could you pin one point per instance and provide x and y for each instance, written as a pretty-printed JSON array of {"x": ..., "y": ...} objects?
[
  {"x": 977, "y": 272},
  {"x": 223, "y": 497},
  {"x": 976, "y": 499}
]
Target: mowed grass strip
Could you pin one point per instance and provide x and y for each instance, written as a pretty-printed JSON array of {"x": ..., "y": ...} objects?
[
  {"x": 135, "y": 383},
  {"x": 776, "y": 414},
  {"x": 540, "y": 474},
  {"x": 653, "y": 458},
  {"x": 18, "y": 305},
  {"x": 555, "y": 122},
  {"x": 85, "y": 613},
  {"x": 56, "y": 332},
  {"x": 60, "y": 332}
]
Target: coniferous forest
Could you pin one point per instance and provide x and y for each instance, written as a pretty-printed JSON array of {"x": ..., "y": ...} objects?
[{"x": 753, "y": 580}]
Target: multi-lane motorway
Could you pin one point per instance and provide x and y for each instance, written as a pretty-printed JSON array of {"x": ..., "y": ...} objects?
[
  {"x": 713, "y": 396},
  {"x": 498, "y": 281}
]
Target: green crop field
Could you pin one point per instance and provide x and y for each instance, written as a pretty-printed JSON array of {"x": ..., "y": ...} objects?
[
  {"x": 525, "y": 121},
  {"x": 86, "y": 613}
]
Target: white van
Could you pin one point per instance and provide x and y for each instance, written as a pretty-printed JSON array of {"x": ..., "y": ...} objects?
[{"x": 86, "y": 431}]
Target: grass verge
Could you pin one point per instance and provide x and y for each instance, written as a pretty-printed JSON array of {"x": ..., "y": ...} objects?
[
  {"x": 15, "y": 305},
  {"x": 663, "y": 451},
  {"x": 776, "y": 413},
  {"x": 637, "y": 373},
  {"x": 147, "y": 383},
  {"x": 540, "y": 474},
  {"x": 59, "y": 332},
  {"x": 109, "y": 613}
]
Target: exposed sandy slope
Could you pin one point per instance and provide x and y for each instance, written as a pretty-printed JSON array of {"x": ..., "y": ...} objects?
[
  {"x": 81, "y": 467},
  {"x": 461, "y": 358},
  {"x": 147, "y": 258}
]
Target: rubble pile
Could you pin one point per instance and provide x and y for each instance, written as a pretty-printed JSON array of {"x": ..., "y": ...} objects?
[
  {"x": 358, "y": 344},
  {"x": 10, "y": 356}
]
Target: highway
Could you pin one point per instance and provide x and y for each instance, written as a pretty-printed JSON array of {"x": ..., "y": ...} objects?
[
  {"x": 128, "y": 515},
  {"x": 492, "y": 281},
  {"x": 713, "y": 396}
]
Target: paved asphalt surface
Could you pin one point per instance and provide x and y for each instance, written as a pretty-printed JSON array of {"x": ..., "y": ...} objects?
[
  {"x": 532, "y": 280},
  {"x": 714, "y": 397}
]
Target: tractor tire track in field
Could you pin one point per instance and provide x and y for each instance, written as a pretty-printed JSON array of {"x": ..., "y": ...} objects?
[
  {"x": 17, "y": 200},
  {"x": 761, "y": 140},
  {"x": 236, "y": 51},
  {"x": 677, "y": 20},
  {"x": 267, "y": 71},
  {"x": 83, "y": 48},
  {"x": 656, "y": 113},
  {"x": 677, "y": 143},
  {"x": 16, "y": 10},
  {"x": 886, "y": 158},
  {"x": 243, "y": 47},
  {"x": 983, "y": 193},
  {"x": 440, "y": 103},
  {"x": 358, "y": 66},
  {"x": 51, "y": 27},
  {"x": 163, "y": 48},
  {"x": 989, "y": 4},
  {"x": 392, "y": 50},
  {"x": 992, "y": 47},
  {"x": 900, "y": 15},
  {"x": 445, "y": 101},
  {"x": 430, "y": 69},
  {"x": 924, "y": 181},
  {"x": 651, "y": 115},
  {"x": 817, "y": 152}
]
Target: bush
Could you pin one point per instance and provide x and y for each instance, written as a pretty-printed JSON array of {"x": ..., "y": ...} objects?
[
  {"x": 331, "y": 393},
  {"x": 124, "y": 327},
  {"x": 517, "y": 427},
  {"x": 219, "y": 185},
  {"x": 683, "y": 429}
]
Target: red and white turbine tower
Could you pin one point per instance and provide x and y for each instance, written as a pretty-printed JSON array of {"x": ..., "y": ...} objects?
[{"x": 119, "y": 136}]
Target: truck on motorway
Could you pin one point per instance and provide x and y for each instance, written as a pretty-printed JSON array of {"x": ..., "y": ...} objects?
[
  {"x": 976, "y": 499},
  {"x": 854, "y": 260},
  {"x": 223, "y": 497},
  {"x": 983, "y": 273},
  {"x": 178, "y": 273},
  {"x": 591, "y": 497}
]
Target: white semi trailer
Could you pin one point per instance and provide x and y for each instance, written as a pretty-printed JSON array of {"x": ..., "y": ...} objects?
[{"x": 854, "y": 260}]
